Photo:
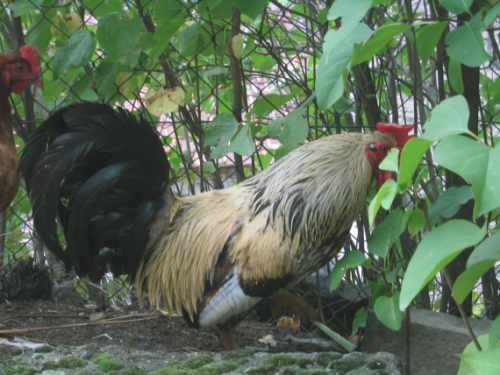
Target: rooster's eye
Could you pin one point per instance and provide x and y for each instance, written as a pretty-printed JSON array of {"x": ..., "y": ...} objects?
[{"x": 372, "y": 147}]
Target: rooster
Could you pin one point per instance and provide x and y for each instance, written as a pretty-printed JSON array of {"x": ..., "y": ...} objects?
[
  {"x": 17, "y": 71},
  {"x": 102, "y": 174}
]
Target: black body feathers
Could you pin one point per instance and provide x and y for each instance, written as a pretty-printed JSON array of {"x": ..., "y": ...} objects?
[{"x": 101, "y": 173}]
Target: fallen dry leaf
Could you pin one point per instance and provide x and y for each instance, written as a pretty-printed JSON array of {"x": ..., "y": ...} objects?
[{"x": 165, "y": 100}]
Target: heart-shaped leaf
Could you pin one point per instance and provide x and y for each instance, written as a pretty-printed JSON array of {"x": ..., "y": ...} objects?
[
  {"x": 466, "y": 44},
  {"x": 450, "y": 117},
  {"x": 435, "y": 251},
  {"x": 387, "y": 311},
  {"x": 477, "y": 164}
]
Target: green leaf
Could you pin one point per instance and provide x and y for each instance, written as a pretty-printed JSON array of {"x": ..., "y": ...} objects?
[
  {"x": 387, "y": 311},
  {"x": 378, "y": 41},
  {"x": 221, "y": 130},
  {"x": 488, "y": 251},
  {"x": 456, "y": 6},
  {"x": 291, "y": 130},
  {"x": 75, "y": 53},
  {"x": 466, "y": 44},
  {"x": 390, "y": 162},
  {"x": 337, "y": 53},
  {"x": 217, "y": 71},
  {"x": 350, "y": 11},
  {"x": 251, "y": 8},
  {"x": 495, "y": 333},
  {"x": 25, "y": 7},
  {"x": 105, "y": 77},
  {"x": 101, "y": 8},
  {"x": 427, "y": 38},
  {"x": 455, "y": 76},
  {"x": 336, "y": 278},
  {"x": 449, "y": 202},
  {"x": 344, "y": 104},
  {"x": 170, "y": 15},
  {"x": 491, "y": 16},
  {"x": 43, "y": 35},
  {"x": 435, "y": 251},
  {"x": 224, "y": 8},
  {"x": 111, "y": 30},
  {"x": 242, "y": 142},
  {"x": 263, "y": 62},
  {"x": 467, "y": 280},
  {"x": 449, "y": 117},
  {"x": 227, "y": 135},
  {"x": 477, "y": 164},
  {"x": 383, "y": 198},
  {"x": 346, "y": 344},
  {"x": 360, "y": 320},
  {"x": 411, "y": 156},
  {"x": 386, "y": 233},
  {"x": 265, "y": 104},
  {"x": 351, "y": 260},
  {"x": 193, "y": 39},
  {"x": 416, "y": 221},
  {"x": 493, "y": 91},
  {"x": 485, "y": 362}
]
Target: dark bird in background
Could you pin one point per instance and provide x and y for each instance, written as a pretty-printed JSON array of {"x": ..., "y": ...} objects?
[
  {"x": 103, "y": 176},
  {"x": 17, "y": 71}
]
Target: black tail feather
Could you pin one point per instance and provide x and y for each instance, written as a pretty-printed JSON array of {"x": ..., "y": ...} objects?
[{"x": 102, "y": 173}]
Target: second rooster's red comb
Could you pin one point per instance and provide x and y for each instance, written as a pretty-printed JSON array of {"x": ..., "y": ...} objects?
[{"x": 400, "y": 132}]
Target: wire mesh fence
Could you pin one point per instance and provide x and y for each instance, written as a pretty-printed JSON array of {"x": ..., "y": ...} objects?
[{"x": 125, "y": 53}]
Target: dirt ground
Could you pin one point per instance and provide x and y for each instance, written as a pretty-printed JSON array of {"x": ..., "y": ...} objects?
[{"x": 144, "y": 330}]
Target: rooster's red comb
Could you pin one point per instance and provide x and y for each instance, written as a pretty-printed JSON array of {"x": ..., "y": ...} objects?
[
  {"x": 400, "y": 132},
  {"x": 30, "y": 54}
]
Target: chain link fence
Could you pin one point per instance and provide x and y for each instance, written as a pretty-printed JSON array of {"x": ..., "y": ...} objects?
[{"x": 207, "y": 61}]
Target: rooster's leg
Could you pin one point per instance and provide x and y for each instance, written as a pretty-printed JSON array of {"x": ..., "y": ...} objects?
[{"x": 226, "y": 336}]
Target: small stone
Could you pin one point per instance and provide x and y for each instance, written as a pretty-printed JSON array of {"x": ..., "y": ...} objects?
[
  {"x": 96, "y": 316},
  {"x": 268, "y": 340}
]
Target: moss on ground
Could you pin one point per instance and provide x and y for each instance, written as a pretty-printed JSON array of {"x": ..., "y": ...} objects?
[
  {"x": 69, "y": 362},
  {"x": 199, "y": 365},
  {"x": 284, "y": 360},
  {"x": 103, "y": 363},
  {"x": 44, "y": 349},
  {"x": 348, "y": 363},
  {"x": 218, "y": 368},
  {"x": 326, "y": 359},
  {"x": 133, "y": 371},
  {"x": 296, "y": 364},
  {"x": 20, "y": 370},
  {"x": 7, "y": 352},
  {"x": 239, "y": 354},
  {"x": 172, "y": 370},
  {"x": 296, "y": 371},
  {"x": 228, "y": 365},
  {"x": 106, "y": 363},
  {"x": 262, "y": 370},
  {"x": 196, "y": 361},
  {"x": 89, "y": 372}
]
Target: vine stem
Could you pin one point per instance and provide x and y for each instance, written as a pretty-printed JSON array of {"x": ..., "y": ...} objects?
[
  {"x": 447, "y": 279},
  {"x": 464, "y": 316}
]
